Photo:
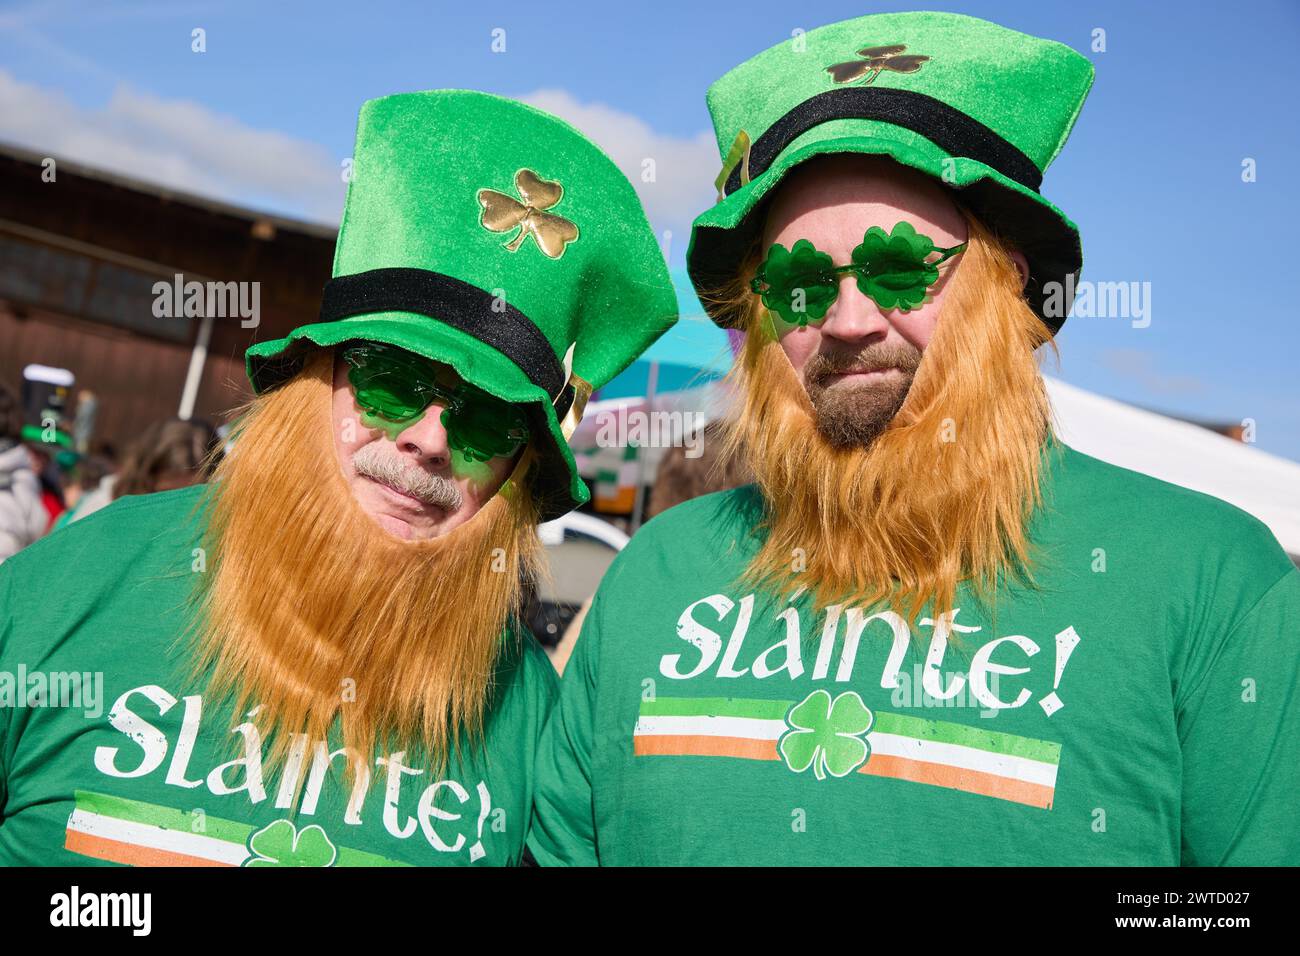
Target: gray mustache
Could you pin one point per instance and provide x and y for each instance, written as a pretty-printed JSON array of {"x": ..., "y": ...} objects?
[{"x": 371, "y": 462}]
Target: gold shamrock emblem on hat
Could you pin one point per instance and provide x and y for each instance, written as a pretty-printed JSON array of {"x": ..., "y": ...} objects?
[
  {"x": 501, "y": 213},
  {"x": 878, "y": 59}
]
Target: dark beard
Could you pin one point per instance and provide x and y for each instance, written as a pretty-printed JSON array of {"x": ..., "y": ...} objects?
[{"x": 854, "y": 416}]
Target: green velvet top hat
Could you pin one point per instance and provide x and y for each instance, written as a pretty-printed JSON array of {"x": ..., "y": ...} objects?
[
  {"x": 490, "y": 236},
  {"x": 981, "y": 108}
]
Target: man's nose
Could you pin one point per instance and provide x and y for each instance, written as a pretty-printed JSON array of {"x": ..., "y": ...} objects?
[
  {"x": 853, "y": 317},
  {"x": 426, "y": 439}
]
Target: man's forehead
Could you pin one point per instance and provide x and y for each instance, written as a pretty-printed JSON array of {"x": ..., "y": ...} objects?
[
  {"x": 848, "y": 198},
  {"x": 847, "y": 176}
]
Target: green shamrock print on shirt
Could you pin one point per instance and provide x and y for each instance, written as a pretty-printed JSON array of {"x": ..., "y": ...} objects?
[
  {"x": 826, "y": 734},
  {"x": 281, "y": 844}
]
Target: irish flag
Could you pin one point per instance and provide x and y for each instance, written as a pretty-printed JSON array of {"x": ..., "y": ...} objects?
[
  {"x": 933, "y": 752},
  {"x": 134, "y": 833}
]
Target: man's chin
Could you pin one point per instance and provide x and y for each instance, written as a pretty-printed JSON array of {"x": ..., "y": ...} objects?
[
  {"x": 854, "y": 413},
  {"x": 398, "y": 528},
  {"x": 398, "y": 523}
]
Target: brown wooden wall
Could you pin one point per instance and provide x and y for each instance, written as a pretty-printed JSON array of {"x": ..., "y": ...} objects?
[
  {"x": 138, "y": 380},
  {"x": 137, "y": 377}
]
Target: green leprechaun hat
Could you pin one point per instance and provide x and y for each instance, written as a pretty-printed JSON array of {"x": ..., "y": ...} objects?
[
  {"x": 493, "y": 237},
  {"x": 981, "y": 108}
]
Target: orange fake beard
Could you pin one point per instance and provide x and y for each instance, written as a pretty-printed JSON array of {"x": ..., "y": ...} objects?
[
  {"x": 310, "y": 610},
  {"x": 942, "y": 494}
]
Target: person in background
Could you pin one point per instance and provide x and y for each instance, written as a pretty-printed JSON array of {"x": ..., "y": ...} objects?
[
  {"x": 43, "y": 451},
  {"x": 22, "y": 516},
  {"x": 681, "y": 478},
  {"x": 90, "y": 488},
  {"x": 168, "y": 455}
]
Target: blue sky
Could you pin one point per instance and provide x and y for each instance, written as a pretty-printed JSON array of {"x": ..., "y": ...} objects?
[{"x": 1152, "y": 173}]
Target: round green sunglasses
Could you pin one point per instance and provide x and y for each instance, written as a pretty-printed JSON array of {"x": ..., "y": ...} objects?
[
  {"x": 893, "y": 269},
  {"x": 393, "y": 386}
]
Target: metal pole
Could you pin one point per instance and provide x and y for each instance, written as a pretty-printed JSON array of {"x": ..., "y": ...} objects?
[
  {"x": 194, "y": 374},
  {"x": 639, "y": 501}
]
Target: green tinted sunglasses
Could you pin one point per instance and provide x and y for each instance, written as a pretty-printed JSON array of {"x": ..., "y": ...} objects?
[
  {"x": 394, "y": 387},
  {"x": 894, "y": 269}
]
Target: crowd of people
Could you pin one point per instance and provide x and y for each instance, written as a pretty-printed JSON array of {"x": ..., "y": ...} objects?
[{"x": 45, "y": 486}]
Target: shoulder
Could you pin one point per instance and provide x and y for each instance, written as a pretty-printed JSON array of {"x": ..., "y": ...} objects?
[
  {"x": 1175, "y": 525},
  {"x": 536, "y": 668},
  {"x": 88, "y": 563},
  {"x": 126, "y": 523},
  {"x": 522, "y": 663},
  {"x": 717, "y": 506},
  {"x": 707, "y": 528},
  {"x": 525, "y": 685}
]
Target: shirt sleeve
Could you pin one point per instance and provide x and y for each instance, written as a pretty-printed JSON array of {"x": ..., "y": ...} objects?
[
  {"x": 542, "y": 688},
  {"x": 1239, "y": 727},
  {"x": 564, "y": 832}
]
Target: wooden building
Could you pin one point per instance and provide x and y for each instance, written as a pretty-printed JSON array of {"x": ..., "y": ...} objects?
[{"x": 81, "y": 256}]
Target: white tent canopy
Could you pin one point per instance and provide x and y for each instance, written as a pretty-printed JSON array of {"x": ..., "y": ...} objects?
[
  {"x": 1182, "y": 453},
  {"x": 1264, "y": 485}
]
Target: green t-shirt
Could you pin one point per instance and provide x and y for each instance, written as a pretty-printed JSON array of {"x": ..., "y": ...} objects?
[
  {"x": 1141, "y": 707},
  {"x": 138, "y": 767}
]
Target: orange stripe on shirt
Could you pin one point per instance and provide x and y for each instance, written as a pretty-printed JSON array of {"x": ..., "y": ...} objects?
[
  {"x": 115, "y": 851},
  {"x": 703, "y": 745},
  {"x": 957, "y": 778}
]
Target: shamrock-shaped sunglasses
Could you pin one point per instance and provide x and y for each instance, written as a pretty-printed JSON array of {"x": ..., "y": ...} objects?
[
  {"x": 894, "y": 269},
  {"x": 397, "y": 386}
]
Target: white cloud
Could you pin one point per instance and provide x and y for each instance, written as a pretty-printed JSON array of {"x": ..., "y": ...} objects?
[
  {"x": 187, "y": 146},
  {"x": 684, "y": 168},
  {"x": 176, "y": 143}
]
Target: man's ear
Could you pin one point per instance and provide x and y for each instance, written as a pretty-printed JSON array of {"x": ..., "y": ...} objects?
[{"x": 1022, "y": 264}]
